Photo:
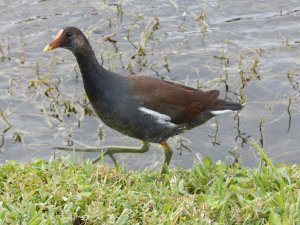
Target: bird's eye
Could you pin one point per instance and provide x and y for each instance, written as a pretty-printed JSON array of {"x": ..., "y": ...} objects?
[{"x": 69, "y": 34}]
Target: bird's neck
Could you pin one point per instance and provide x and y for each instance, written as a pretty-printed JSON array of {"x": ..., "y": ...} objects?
[
  {"x": 88, "y": 63},
  {"x": 96, "y": 79}
]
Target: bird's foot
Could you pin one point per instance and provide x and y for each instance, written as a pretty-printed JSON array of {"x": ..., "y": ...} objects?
[
  {"x": 109, "y": 150},
  {"x": 104, "y": 151}
]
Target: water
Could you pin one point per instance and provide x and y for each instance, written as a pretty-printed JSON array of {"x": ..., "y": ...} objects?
[{"x": 250, "y": 46}]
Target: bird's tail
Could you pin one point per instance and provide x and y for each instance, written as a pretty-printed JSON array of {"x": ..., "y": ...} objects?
[{"x": 223, "y": 106}]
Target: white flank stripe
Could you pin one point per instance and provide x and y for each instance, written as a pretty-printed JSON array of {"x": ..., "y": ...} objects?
[
  {"x": 161, "y": 118},
  {"x": 218, "y": 112}
]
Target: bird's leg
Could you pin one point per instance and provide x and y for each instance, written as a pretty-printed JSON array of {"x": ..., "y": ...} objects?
[
  {"x": 168, "y": 156},
  {"x": 110, "y": 150}
]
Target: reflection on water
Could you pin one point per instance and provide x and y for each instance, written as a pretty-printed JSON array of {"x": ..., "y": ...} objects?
[{"x": 249, "y": 50}]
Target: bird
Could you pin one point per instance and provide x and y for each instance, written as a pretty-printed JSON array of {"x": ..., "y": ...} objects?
[{"x": 142, "y": 107}]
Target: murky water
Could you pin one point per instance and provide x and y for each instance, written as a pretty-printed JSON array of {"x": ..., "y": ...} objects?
[{"x": 252, "y": 47}]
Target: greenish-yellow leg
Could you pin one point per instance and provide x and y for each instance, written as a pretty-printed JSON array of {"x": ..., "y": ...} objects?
[
  {"x": 168, "y": 156},
  {"x": 110, "y": 150}
]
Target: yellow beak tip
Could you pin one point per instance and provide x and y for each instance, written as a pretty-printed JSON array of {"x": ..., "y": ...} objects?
[{"x": 47, "y": 48}]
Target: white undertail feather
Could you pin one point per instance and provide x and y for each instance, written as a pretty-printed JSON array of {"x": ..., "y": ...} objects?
[
  {"x": 218, "y": 112},
  {"x": 160, "y": 118}
]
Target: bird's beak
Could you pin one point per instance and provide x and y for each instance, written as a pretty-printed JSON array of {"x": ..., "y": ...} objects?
[{"x": 55, "y": 43}]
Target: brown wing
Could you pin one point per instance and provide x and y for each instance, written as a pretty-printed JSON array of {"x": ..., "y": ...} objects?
[{"x": 180, "y": 102}]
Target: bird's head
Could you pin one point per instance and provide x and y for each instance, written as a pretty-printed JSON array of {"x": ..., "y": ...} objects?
[{"x": 70, "y": 38}]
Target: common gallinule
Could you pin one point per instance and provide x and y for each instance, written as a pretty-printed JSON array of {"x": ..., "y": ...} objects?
[{"x": 145, "y": 108}]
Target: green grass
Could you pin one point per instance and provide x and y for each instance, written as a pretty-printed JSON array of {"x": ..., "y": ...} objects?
[{"x": 58, "y": 191}]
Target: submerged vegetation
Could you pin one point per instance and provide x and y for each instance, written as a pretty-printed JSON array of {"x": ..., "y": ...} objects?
[
  {"x": 199, "y": 45},
  {"x": 62, "y": 191}
]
